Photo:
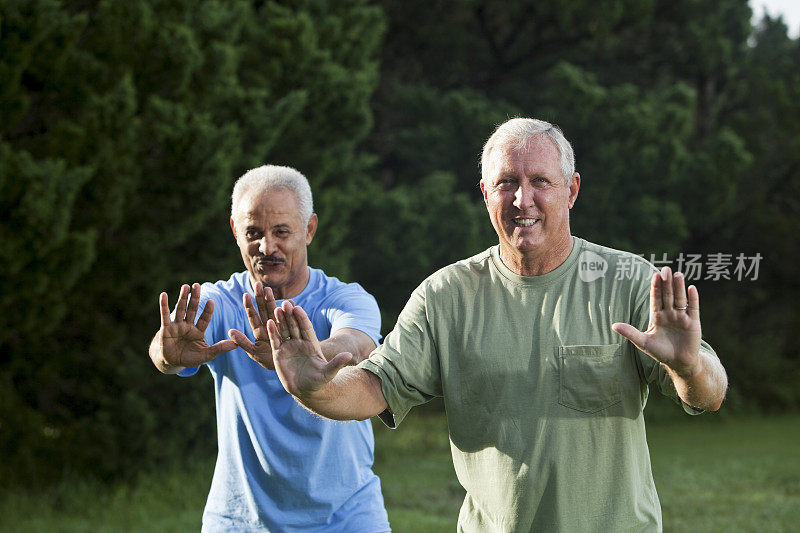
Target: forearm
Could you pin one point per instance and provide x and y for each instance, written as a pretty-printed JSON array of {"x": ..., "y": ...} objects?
[
  {"x": 156, "y": 353},
  {"x": 354, "y": 394},
  {"x": 703, "y": 386},
  {"x": 353, "y": 341}
]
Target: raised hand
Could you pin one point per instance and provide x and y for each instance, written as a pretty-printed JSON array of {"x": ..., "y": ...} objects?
[
  {"x": 259, "y": 351},
  {"x": 181, "y": 343},
  {"x": 299, "y": 362},
  {"x": 673, "y": 334}
]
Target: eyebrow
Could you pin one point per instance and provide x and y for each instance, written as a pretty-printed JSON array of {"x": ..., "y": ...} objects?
[
  {"x": 280, "y": 225},
  {"x": 507, "y": 175}
]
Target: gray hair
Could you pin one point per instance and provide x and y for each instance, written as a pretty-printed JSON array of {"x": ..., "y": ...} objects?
[
  {"x": 267, "y": 177},
  {"x": 518, "y": 132}
]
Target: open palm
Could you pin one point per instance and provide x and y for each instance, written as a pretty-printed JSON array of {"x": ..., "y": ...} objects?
[
  {"x": 674, "y": 333},
  {"x": 258, "y": 314},
  {"x": 297, "y": 354},
  {"x": 182, "y": 341}
]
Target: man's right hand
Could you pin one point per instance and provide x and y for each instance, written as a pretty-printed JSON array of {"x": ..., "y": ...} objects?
[
  {"x": 298, "y": 359},
  {"x": 181, "y": 343}
]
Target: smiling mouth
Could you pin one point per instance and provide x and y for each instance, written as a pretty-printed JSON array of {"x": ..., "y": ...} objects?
[{"x": 526, "y": 222}]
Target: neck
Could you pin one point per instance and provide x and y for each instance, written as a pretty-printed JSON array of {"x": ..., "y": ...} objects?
[{"x": 538, "y": 262}]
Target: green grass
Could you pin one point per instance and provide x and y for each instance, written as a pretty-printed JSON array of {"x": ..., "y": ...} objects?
[
  {"x": 419, "y": 484},
  {"x": 731, "y": 475},
  {"x": 166, "y": 501},
  {"x": 712, "y": 473}
]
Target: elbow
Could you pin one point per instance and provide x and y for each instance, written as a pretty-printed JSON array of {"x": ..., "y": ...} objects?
[
  {"x": 723, "y": 392},
  {"x": 716, "y": 404}
]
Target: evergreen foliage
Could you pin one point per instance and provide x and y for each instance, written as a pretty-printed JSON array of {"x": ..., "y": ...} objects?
[
  {"x": 124, "y": 123},
  {"x": 124, "y": 126}
]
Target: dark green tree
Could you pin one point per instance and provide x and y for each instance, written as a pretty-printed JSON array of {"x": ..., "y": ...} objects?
[{"x": 124, "y": 126}]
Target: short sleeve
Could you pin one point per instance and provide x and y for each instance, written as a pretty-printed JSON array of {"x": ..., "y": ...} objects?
[
  {"x": 407, "y": 363},
  {"x": 351, "y": 307}
]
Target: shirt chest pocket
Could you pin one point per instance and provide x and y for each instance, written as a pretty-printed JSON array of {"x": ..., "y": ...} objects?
[{"x": 589, "y": 376}]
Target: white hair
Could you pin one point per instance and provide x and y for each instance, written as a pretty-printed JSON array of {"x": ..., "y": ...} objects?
[
  {"x": 271, "y": 177},
  {"x": 518, "y": 132}
]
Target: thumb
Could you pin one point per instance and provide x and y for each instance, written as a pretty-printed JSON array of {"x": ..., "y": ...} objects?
[
  {"x": 241, "y": 340},
  {"x": 221, "y": 347},
  {"x": 340, "y": 361},
  {"x": 631, "y": 333}
]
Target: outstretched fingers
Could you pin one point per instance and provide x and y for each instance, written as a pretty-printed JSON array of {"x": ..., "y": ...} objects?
[
  {"x": 693, "y": 303},
  {"x": 194, "y": 300},
  {"x": 291, "y": 321},
  {"x": 679, "y": 290},
  {"x": 282, "y": 324},
  {"x": 265, "y": 300},
  {"x": 205, "y": 316},
  {"x": 163, "y": 306},
  {"x": 180, "y": 307},
  {"x": 253, "y": 316},
  {"x": 275, "y": 338},
  {"x": 305, "y": 327},
  {"x": 667, "y": 295},
  {"x": 655, "y": 295}
]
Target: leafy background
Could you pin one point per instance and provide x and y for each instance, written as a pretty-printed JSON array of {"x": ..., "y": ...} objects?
[{"x": 124, "y": 124}]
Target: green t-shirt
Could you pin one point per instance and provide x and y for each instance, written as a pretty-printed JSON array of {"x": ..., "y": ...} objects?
[{"x": 544, "y": 401}]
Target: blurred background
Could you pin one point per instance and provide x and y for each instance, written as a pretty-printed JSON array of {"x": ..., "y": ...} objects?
[{"x": 124, "y": 123}]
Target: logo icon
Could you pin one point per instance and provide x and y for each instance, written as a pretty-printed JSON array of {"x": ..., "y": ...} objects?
[{"x": 591, "y": 266}]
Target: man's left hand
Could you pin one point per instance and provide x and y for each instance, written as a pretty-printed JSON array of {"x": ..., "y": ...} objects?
[
  {"x": 258, "y": 314},
  {"x": 673, "y": 334}
]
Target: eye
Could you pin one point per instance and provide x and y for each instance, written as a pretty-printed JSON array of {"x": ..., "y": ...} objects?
[
  {"x": 252, "y": 234},
  {"x": 282, "y": 232},
  {"x": 505, "y": 184}
]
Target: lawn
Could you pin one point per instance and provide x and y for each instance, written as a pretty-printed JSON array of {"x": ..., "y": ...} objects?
[{"x": 712, "y": 473}]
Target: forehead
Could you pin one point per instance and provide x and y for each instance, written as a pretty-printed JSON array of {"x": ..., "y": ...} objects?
[
  {"x": 539, "y": 156},
  {"x": 275, "y": 206}
]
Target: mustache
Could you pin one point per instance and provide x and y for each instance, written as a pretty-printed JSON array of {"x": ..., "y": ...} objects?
[{"x": 270, "y": 259}]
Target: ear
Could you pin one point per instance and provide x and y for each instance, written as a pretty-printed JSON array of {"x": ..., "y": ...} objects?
[
  {"x": 233, "y": 229},
  {"x": 311, "y": 229},
  {"x": 484, "y": 192},
  {"x": 574, "y": 187}
]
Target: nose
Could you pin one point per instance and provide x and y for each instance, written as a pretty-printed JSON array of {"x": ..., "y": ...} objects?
[
  {"x": 266, "y": 246},
  {"x": 523, "y": 197}
]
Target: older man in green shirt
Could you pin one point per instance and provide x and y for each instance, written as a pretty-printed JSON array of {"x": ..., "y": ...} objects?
[{"x": 542, "y": 354}]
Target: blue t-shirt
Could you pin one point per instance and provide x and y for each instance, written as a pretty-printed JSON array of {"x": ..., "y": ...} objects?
[{"x": 279, "y": 467}]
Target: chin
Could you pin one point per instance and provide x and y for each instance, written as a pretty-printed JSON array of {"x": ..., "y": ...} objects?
[
  {"x": 526, "y": 246},
  {"x": 271, "y": 281}
]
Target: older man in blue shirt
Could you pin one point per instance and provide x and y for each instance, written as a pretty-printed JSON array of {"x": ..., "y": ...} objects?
[{"x": 279, "y": 468}]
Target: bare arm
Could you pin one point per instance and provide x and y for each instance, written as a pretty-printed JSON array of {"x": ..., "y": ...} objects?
[
  {"x": 705, "y": 386},
  {"x": 673, "y": 339},
  {"x": 353, "y": 341},
  {"x": 353, "y": 394},
  {"x": 325, "y": 387},
  {"x": 181, "y": 343}
]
